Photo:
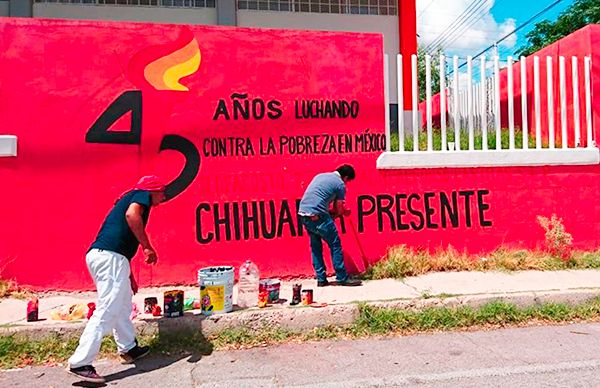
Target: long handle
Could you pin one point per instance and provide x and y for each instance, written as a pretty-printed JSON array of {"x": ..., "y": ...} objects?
[{"x": 362, "y": 252}]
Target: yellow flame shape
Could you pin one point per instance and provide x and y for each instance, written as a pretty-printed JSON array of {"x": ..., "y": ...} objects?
[{"x": 165, "y": 73}]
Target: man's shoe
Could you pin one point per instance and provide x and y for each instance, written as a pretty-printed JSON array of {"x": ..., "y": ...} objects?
[
  {"x": 134, "y": 354},
  {"x": 87, "y": 373},
  {"x": 350, "y": 283},
  {"x": 322, "y": 283}
]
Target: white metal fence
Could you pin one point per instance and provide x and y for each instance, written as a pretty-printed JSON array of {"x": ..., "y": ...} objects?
[{"x": 470, "y": 107}]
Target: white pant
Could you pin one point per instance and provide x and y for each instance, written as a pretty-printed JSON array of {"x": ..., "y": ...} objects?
[{"x": 110, "y": 272}]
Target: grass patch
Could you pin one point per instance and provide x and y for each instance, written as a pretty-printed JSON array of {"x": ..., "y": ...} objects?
[
  {"x": 17, "y": 351},
  {"x": 402, "y": 261},
  {"x": 464, "y": 139},
  {"x": 371, "y": 321},
  {"x": 378, "y": 321}
]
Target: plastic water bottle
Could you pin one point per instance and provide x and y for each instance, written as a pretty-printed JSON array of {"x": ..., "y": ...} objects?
[{"x": 248, "y": 285}]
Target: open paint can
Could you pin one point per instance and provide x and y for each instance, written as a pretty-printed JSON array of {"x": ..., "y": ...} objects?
[
  {"x": 271, "y": 287},
  {"x": 149, "y": 304},
  {"x": 216, "y": 289},
  {"x": 173, "y": 303}
]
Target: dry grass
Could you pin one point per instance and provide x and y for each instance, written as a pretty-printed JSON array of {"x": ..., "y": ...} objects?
[
  {"x": 6, "y": 287},
  {"x": 403, "y": 261},
  {"x": 10, "y": 288}
]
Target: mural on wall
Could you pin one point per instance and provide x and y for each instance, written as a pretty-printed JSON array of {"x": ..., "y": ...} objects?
[{"x": 238, "y": 121}]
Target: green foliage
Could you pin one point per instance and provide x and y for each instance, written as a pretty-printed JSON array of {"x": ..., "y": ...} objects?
[
  {"x": 464, "y": 140},
  {"x": 435, "y": 72},
  {"x": 578, "y": 15},
  {"x": 16, "y": 351}
]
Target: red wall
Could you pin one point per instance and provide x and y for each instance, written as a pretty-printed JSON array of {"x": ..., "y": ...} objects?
[{"x": 60, "y": 77}]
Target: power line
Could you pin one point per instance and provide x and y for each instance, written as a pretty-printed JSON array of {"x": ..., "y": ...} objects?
[
  {"x": 450, "y": 27},
  {"x": 549, "y": 7},
  {"x": 468, "y": 12},
  {"x": 464, "y": 28},
  {"x": 426, "y": 8}
]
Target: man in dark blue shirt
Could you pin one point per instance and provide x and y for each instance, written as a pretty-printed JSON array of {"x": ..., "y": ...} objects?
[
  {"x": 324, "y": 190},
  {"x": 123, "y": 230}
]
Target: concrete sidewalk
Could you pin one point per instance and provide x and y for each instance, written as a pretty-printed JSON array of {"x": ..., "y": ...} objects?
[{"x": 447, "y": 288}]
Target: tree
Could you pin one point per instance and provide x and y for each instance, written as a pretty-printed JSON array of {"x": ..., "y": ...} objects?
[
  {"x": 435, "y": 72},
  {"x": 577, "y": 15}
]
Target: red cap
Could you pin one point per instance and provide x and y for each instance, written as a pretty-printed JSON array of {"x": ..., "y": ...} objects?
[{"x": 150, "y": 183}]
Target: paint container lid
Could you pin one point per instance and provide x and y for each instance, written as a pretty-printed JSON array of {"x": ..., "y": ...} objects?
[
  {"x": 215, "y": 272},
  {"x": 270, "y": 282}
]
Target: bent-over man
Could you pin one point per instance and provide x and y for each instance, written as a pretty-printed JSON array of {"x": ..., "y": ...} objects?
[{"x": 324, "y": 190}]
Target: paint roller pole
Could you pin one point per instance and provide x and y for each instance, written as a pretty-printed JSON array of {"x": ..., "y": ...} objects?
[{"x": 362, "y": 252}]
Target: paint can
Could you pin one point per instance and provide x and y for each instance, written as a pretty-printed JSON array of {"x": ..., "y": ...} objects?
[
  {"x": 296, "y": 294},
  {"x": 307, "y": 297},
  {"x": 149, "y": 303},
  {"x": 173, "y": 303},
  {"x": 271, "y": 287},
  {"x": 216, "y": 289},
  {"x": 263, "y": 299},
  {"x": 32, "y": 309}
]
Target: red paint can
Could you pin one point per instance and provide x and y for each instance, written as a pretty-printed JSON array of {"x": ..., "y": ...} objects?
[
  {"x": 307, "y": 297},
  {"x": 297, "y": 294},
  {"x": 149, "y": 304},
  {"x": 33, "y": 310}
]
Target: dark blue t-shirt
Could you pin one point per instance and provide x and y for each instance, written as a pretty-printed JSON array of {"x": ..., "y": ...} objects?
[{"x": 115, "y": 234}]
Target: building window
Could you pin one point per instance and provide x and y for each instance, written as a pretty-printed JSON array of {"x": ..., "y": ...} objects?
[
  {"x": 158, "y": 3},
  {"x": 357, "y": 7}
]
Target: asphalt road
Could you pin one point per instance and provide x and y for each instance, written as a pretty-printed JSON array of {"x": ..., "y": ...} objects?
[{"x": 543, "y": 356}]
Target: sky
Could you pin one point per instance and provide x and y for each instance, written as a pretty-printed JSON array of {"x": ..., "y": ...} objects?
[{"x": 482, "y": 23}]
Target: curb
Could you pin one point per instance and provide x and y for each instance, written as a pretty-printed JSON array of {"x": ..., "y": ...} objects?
[{"x": 302, "y": 318}]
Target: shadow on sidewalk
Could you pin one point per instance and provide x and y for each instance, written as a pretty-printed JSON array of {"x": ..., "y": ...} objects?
[{"x": 177, "y": 339}]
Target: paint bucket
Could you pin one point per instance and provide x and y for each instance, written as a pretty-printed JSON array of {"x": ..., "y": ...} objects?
[
  {"x": 216, "y": 289},
  {"x": 307, "y": 297},
  {"x": 173, "y": 303},
  {"x": 32, "y": 309},
  {"x": 271, "y": 287},
  {"x": 297, "y": 294},
  {"x": 149, "y": 304}
]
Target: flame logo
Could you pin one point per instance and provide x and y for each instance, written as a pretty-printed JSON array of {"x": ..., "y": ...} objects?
[
  {"x": 165, "y": 73},
  {"x": 162, "y": 67}
]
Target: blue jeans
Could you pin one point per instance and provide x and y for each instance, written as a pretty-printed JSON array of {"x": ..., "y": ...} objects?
[{"x": 324, "y": 229}]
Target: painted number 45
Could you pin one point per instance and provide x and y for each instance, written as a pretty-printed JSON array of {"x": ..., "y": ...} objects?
[{"x": 131, "y": 101}]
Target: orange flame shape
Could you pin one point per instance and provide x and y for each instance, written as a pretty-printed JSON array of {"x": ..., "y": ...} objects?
[{"x": 165, "y": 72}]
